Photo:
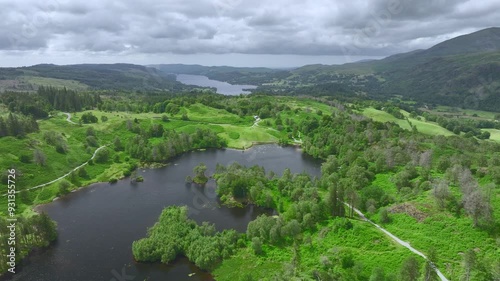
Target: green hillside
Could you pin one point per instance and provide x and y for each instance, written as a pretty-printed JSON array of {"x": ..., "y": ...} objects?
[
  {"x": 462, "y": 72},
  {"x": 88, "y": 76}
]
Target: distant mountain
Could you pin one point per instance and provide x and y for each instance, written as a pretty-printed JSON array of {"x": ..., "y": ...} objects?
[
  {"x": 88, "y": 76},
  {"x": 232, "y": 75},
  {"x": 486, "y": 40},
  {"x": 463, "y": 71}
]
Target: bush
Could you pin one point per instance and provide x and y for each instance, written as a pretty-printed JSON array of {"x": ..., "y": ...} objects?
[
  {"x": 25, "y": 158},
  {"x": 234, "y": 135},
  {"x": 90, "y": 131},
  {"x": 82, "y": 173},
  {"x": 64, "y": 187},
  {"x": 257, "y": 245},
  {"x": 92, "y": 141},
  {"x": 61, "y": 148},
  {"x": 384, "y": 216},
  {"x": 102, "y": 156},
  {"x": 25, "y": 197},
  {"x": 88, "y": 118}
]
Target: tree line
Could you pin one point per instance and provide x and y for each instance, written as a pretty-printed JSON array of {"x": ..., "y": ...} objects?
[
  {"x": 17, "y": 125},
  {"x": 35, "y": 231}
]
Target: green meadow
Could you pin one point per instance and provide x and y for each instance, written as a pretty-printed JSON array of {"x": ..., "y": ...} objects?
[{"x": 425, "y": 127}]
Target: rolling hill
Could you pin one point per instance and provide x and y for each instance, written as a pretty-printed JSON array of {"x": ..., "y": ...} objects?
[
  {"x": 463, "y": 71},
  {"x": 88, "y": 76},
  {"x": 232, "y": 75}
]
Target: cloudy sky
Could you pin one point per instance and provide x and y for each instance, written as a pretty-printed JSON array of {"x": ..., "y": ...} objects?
[{"x": 278, "y": 33}]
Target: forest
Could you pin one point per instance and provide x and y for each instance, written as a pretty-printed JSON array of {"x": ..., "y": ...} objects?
[{"x": 415, "y": 183}]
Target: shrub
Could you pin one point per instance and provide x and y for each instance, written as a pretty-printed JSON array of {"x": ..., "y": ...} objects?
[
  {"x": 25, "y": 158},
  {"x": 88, "y": 118},
  {"x": 102, "y": 156},
  {"x": 384, "y": 216},
  {"x": 64, "y": 187},
  {"x": 257, "y": 245}
]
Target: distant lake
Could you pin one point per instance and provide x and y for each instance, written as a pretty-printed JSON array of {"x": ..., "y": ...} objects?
[{"x": 222, "y": 87}]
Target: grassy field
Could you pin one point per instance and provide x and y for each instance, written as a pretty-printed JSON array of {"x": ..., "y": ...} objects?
[
  {"x": 425, "y": 127},
  {"x": 463, "y": 113},
  {"x": 368, "y": 248},
  {"x": 495, "y": 134},
  {"x": 382, "y": 116},
  {"x": 60, "y": 83},
  {"x": 430, "y": 128},
  {"x": 448, "y": 234}
]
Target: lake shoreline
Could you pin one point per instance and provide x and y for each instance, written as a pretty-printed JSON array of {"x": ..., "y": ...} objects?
[
  {"x": 221, "y": 87},
  {"x": 86, "y": 208}
]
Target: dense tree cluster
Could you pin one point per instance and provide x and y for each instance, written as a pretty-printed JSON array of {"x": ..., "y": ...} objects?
[
  {"x": 296, "y": 197},
  {"x": 35, "y": 231},
  {"x": 39, "y": 104},
  {"x": 175, "y": 234},
  {"x": 171, "y": 144},
  {"x": 26, "y": 103},
  {"x": 68, "y": 100},
  {"x": 17, "y": 125},
  {"x": 88, "y": 117}
]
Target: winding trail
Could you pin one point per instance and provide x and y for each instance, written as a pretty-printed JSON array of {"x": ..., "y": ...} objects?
[
  {"x": 62, "y": 177},
  {"x": 69, "y": 118},
  {"x": 400, "y": 242},
  {"x": 256, "y": 122}
]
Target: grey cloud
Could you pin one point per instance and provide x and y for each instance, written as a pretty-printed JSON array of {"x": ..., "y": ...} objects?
[{"x": 307, "y": 27}]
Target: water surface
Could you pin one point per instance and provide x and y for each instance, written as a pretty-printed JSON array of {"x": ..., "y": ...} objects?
[
  {"x": 222, "y": 87},
  {"x": 98, "y": 224}
]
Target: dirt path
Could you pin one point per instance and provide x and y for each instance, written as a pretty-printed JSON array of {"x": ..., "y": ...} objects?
[
  {"x": 256, "y": 122},
  {"x": 400, "y": 242},
  {"x": 62, "y": 177},
  {"x": 69, "y": 117}
]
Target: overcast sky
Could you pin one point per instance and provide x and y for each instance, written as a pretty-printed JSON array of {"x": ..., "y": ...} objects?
[{"x": 277, "y": 33}]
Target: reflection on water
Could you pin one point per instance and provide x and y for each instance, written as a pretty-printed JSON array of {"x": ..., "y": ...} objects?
[
  {"x": 222, "y": 87},
  {"x": 98, "y": 224}
]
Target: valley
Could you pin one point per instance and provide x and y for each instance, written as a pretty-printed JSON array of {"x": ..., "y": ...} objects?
[{"x": 376, "y": 170}]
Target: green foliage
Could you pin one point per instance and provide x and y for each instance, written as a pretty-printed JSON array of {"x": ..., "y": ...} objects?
[
  {"x": 17, "y": 125},
  {"x": 234, "y": 135},
  {"x": 410, "y": 270},
  {"x": 174, "y": 234},
  {"x": 88, "y": 117},
  {"x": 35, "y": 231},
  {"x": 384, "y": 216},
  {"x": 199, "y": 174},
  {"x": 257, "y": 245},
  {"x": 82, "y": 172},
  {"x": 64, "y": 186},
  {"x": 39, "y": 157},
  {"x": 102, "y": 155}
]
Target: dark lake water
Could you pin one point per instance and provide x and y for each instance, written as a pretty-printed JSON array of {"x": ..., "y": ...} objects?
[
  {"x": 98, "y": 224},
  {"x": 222, "y": 87}
]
